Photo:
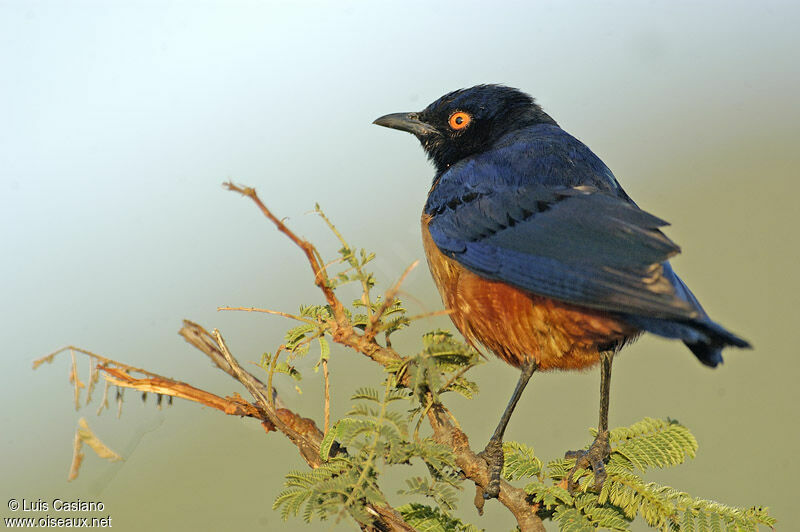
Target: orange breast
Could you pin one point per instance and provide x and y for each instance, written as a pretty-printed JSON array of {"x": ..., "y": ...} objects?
[{"x": 517, "y": 325}]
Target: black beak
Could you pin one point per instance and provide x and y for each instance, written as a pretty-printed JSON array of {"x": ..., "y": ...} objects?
[{"x": 409, "y": 122}]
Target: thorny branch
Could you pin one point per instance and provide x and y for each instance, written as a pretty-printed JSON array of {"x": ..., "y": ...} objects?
[
  {"x": 444, "y": 430},
  {"x": 301, "y": 431}
]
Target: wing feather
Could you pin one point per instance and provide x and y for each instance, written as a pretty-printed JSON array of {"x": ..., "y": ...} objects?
[{"x": 575, "y": 244}]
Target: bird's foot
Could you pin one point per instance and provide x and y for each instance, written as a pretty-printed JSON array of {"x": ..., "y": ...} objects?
[
  {"x": 493, "y": 455},
  {"x": 595, "y": 458}
]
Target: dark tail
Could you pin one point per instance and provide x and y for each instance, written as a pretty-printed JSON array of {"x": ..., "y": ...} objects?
[
  {"x": 709, "y": 351},
  {"x": 704, "y": 337}
]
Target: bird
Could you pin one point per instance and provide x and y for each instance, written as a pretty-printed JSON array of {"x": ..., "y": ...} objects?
[{"x": 540, "y": 255}]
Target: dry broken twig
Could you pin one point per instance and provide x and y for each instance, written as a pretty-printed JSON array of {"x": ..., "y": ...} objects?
[
  {"x": 303, "y": 432},
  {"x": 84, "y": 435}
]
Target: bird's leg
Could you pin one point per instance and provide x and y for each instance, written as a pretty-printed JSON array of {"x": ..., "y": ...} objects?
[
  {"x": 493, "y": 453},
  {"x": 598, "y": 453}
]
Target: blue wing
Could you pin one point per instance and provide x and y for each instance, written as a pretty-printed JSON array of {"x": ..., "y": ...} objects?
[
  {"x": 577, "y": 245},
  {"x": 542, "y": 213}
]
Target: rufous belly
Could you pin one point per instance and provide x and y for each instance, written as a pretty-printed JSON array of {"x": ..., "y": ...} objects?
[{"x": 516, "y": 325}]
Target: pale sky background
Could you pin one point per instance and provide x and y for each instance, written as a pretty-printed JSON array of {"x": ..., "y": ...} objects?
[{"x": 120, "y": 120}]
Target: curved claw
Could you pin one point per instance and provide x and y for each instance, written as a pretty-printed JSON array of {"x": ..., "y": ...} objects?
[
  {"x": 494, "y": 457},
  {"x": 594, "y": 458}
]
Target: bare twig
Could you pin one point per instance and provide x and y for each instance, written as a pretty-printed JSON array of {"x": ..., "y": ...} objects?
[
  {"x": 320, "y": 275},
  {"x": 201, "y": 339},
  {"x": 274, "y": 312},
  {"x": 432, "y": 314}
]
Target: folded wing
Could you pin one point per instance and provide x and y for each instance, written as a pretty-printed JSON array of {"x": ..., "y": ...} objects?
[{"x": 575, "y": 244}]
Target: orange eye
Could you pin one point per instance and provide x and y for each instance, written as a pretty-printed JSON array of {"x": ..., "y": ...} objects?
[{"x": 459, "y": 120}]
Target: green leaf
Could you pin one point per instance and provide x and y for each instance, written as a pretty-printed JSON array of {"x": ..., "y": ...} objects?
[
  {"x": 444, "y": 495},
  {"x": 607, "y": 518},
  {"x": 327, "y": 442},
  {"x": 324, "y": 348},
  {"x": 550, "y": 496},
  {"x": 520, "y": 461},
  {"x": 427, "y": 519},
  {"x": 572, "y": 520},
  {"x": 283, "y": 367},
  {"x": 463, "y": 387},
  {"x": 297, "y": 334},
  {"x": 655, "y": 443},
  {"x": 366, "y": 394}
]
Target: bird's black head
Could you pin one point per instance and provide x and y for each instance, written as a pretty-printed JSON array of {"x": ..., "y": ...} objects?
[{"x": 468, "y": 121}]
